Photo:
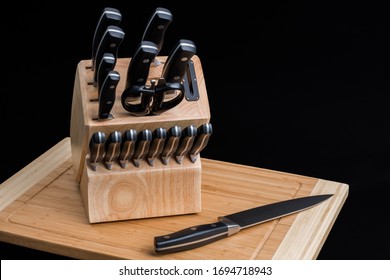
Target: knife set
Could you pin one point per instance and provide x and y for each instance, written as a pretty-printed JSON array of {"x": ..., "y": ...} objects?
[{"x": 138, "y": 125}]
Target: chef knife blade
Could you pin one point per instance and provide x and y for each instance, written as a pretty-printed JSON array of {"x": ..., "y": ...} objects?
[
  {"x": 106, "y": 65},
  {"x": 202, "y": 138},
  {"x": 157, "y": 144},
  {"x": 112, "y": 146},
  {"x": 201, "y": 235},
  {"x": 96, "y": 148},
  {"x": 156, "y": 28},
  {"x": 107, "y": 95},
  {"x": 129, "y": 139},
  {"x": 142, "y": 146},
  {"x": 186, "y": 142},
  {"x": 109, "y": 16},
  {"x": 110, "y": 42},
  {"x": 171, "y": 143}
]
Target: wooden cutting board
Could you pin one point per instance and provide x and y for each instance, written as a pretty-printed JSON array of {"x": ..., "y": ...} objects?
[{"x": 41, "y": 208}]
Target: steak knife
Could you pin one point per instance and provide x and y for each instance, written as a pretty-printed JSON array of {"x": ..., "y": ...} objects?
[
  {"x": 171, "y": 144},
  {"x": 109, "y": 16},
  {"x": 202, "y": 138},
  {"x": 113, "y": 144},
  {"x": 110, "y": 42},
  {"x": 186, "y": 142},
  {"x": 129, "y": 139},
  {"x": 96, "y": 148},
  {"x": 200, "y": 235},
  {"x": 107, "y": 95},
  {"x": 142, "y": 146},
  {"x": 157, "y": 144},
  {"x": 156, "y": 28}
]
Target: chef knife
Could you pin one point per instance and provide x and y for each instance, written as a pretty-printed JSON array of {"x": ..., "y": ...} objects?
[
  {"x": 171, "y": 143},
  {"x": 112, "y": 146},
  {"x": 156, "y": 28},
  {"x": 142, "y": 146},
  {"x": 129, "y": 139},
  {"x": 106, "y": 65},
  {"x": 110, "y": 42},
  {"x": 107, "y": 95},
  {"x": 136, "y": 79},
  {"x": 201, "y": 235},
  {"x": 157, "y": 144},
  {"x": 202, "y": 138},
  {"x": 172, "y": 76},
  {"x": 96, "y": 148},
  {"x": 186, "y": 142},
  {"x": 109, "y": 16}
]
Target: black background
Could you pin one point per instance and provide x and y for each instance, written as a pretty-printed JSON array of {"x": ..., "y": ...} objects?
[{"x": 295, "y": 87}]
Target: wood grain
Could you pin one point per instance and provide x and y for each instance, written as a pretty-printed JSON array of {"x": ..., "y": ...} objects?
[{"x": 47, "y": 213}]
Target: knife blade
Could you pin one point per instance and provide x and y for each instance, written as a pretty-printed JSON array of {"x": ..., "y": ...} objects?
[
  {"x": 202, "y": 138},
  {"x": 157, "y": 144},
  {"x": 200, "y": 235},
  {"x": 142, "y": 146},
  {"x": 96, "y": 147},
  {"x": 109, "y": 16},
  {"x": 129, "y": 139},
  {"x": 110, "y": 42},
  {"x": 106, "y": 65},
  {"x": 107, "y": 95},
  {"x": 171, "y": 144},
  {"x": 186, "y": 142},
  {"x": 112, "y": 146},
  {"x": 156, "y": 28}
]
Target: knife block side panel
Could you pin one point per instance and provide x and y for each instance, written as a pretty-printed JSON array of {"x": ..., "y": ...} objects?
[{"x": 180, "y": 184}]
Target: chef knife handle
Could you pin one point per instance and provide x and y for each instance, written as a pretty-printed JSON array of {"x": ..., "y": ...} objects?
[{"x": 190, "y": 238}]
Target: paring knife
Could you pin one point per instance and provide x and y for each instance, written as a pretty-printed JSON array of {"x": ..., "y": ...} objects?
[
  {"x": 106, "y": 65},
  {"x": 171, "y": 143},
  {"x": 109, "y": 16},
  {"x": 129, "y": 139},
  {"x": 112, "y": 146},
  {"x": 107, "y": 95},
  {"x": 186, "y": 142},
  {"x": 142, "y": 146},
  {"x": 136, "y": 79},
  {"x": 157, "y": 144},
  {"x": 96, "y": 148},
  {"x": 110, "y": 42},
  {"x": 156, "y": 28},
  {"x": 201, "y": 235},
  {"x": 202, "y": 138}
]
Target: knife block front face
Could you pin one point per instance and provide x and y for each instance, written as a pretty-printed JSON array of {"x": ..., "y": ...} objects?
[{"x": 134, "y": 192}]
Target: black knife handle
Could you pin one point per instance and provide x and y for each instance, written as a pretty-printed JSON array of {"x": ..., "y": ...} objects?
[
  {"x": 157, "y": 144},
  {"x": 157, "y": 26},
  {"x": 186, "y": 142},
  {"x": 110, "y": 42},
  {"x": 113, "y": 144},
  {"x": 107, "y": 94},
  {"x": 190, "y": 238},
  {"x": 109, "y": 16},
  {"x": 142, "y": 146},
  {"x": 139, "y": 66},
  {"x": 96, "y": 147},
  {"x": 129, "y": 139},
  {"x": 106, "y": 65},
  {"x": 202, "y": 138},
  {"x": 171, "y": 144},
  {"x": 175, "y": 67}
]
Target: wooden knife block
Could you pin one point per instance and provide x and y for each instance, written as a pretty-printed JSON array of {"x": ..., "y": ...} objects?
[{"x": 134, "y": 192}]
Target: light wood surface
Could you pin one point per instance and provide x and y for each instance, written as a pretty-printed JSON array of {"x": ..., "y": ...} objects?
[{"x": 41, "y": 208}]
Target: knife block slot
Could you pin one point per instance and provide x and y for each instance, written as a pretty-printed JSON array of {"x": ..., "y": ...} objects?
[{"x": 134, "y": 192}]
